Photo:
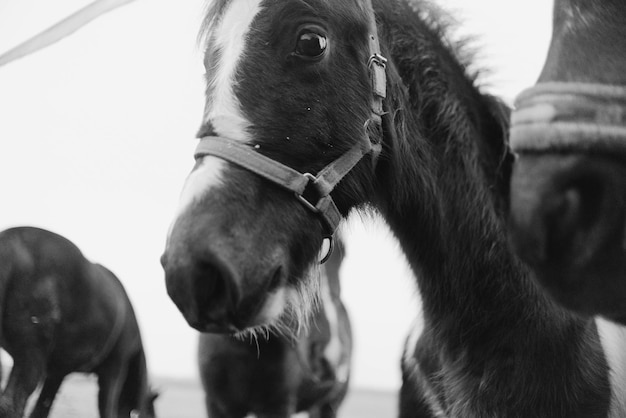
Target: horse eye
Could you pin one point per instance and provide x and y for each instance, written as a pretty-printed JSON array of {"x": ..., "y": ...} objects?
[{"x": 311, "y": 45}]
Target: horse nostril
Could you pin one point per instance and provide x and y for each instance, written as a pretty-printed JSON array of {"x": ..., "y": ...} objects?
[
  {"x": 277, "y": 279},
  {"x": 561, "y": 215},
  {"x": 209, "y": 281},
  {"x": 215, "y": 291},
  {"x": 569, "y": 215}
]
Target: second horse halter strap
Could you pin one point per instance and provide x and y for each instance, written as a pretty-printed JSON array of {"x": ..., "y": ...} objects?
[{"x": 568, "y": 116}]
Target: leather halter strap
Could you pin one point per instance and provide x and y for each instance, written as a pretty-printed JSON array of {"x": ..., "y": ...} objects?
[
  {"x": 326, "y": 180},
  {"x": 377, "y": 64},
  {"x": 575, "y": 117},
  {"x": 323, "y": 183}
]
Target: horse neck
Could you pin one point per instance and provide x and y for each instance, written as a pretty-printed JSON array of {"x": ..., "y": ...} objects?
[{"x": 442, "y": 196}]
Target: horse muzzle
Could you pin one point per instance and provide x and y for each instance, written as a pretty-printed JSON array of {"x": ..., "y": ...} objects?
[
  {"x": 217, "y": 292},
  {"x": 567, "y": 221},
  {"x": 568, "y": 191},
  {"x": 203, "y": 291}
]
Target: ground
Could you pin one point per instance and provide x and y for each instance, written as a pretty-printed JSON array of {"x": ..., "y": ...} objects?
[{"x": 184, "y": 399}]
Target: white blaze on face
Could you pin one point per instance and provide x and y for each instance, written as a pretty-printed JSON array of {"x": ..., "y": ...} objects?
[
  {"x": 228, "y": 36},
  {"x": 207, "y": 174},
  {"x": 228, "y": 39}
]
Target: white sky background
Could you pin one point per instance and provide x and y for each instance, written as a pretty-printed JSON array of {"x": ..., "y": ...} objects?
[{"x": 97, "y": 137}]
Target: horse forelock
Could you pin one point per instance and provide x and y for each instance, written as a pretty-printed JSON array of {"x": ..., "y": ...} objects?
[{"x": 213, "y": 10}]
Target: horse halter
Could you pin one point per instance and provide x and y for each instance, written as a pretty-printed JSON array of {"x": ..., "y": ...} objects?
[
  {"x": 567, "y": 116},
  {"x": 326, "y": 179}
]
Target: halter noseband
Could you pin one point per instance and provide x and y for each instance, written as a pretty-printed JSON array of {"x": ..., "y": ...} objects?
[
  {"x": 327, "y": 179},
  {"x": 568, "y": 116}
]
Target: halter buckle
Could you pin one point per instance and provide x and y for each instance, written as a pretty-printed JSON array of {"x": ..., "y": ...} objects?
[
  {"x": 310, "y": 206},
  {"x": 377, "y": 59}
]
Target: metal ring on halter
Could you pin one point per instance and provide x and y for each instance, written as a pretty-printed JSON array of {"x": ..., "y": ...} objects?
[{"x": 331, "y": 247}]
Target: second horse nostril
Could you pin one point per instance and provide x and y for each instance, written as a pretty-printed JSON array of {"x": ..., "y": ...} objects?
[
  {"x": 277, "y": 279},
  {"x": 562, "y": 212},
  {"x": 570, "y": 213}
]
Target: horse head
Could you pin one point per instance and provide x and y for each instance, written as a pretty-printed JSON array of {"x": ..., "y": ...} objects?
[
  {"x": 568, "y": 201},
  {"x": 288, "y": 142}
]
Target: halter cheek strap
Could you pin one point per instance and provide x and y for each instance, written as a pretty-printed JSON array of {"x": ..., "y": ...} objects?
[
  {"x": 570, "y": 117},
  {"x": 376, "y": 64}
]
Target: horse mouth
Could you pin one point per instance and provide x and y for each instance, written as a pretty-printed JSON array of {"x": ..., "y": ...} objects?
[
  {"x": 260, "y": 309},
  {"x": 205, "y": 322},
  {"x": 215, "y": 328}
]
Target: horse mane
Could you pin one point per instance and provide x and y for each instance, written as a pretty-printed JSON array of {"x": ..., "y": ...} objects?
[
  {"x": 443, "y": 109},
  {"x": 442, "y": 23},
  {"x": 459, "y": 170}
]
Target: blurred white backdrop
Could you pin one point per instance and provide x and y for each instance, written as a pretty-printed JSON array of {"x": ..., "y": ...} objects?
[{"x": 97, "y": 137}]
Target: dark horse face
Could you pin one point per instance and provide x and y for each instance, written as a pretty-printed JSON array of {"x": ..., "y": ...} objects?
[
  {"x": 289, "y": 80},
  {"x": 568, "y": 205}
]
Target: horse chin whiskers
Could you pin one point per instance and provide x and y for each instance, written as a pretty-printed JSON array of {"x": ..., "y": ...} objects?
[
  {"x": 254, "y": 333},
  {"x": 302, "y": 300},
  {"x": 299, "y": 302}
]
